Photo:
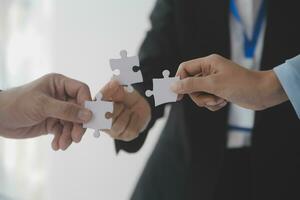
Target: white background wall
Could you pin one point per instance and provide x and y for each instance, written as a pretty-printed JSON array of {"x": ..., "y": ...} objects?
[{"x": 77, "y": 38}]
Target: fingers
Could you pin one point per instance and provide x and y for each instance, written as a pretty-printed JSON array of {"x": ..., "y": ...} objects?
[
  {"x": 191, "y": 68},
  {"x": 204, "y": 99},
  {"x": 194, "y": 84},
  {"x": 120, "y": 123},
  {"x": 71, "y": 88},
  {"x": 205, "y": 66},
  {"x": 55, "y": 141},
  {"x": 65, "y": 139},
  {"x": 77, "y": 132},
  {"x": 132, "y": 129},
  {"x": 70, "y": 112},
  {"x": 55, "y": 127},
  {"x": 65, "y": 131},
  {"x": 67, "y": 111},
  {"x": 115, "y": 92},
  {"x": 123, "y": 114},
  {"x": 57, "y": 131},
  {"x": 126, "y": 124},
  {"x": 64, "y": 134},
  {"x": 118, "y": 109},
  {"x": 209, "y": 101},
  {"x": 197, "y": 75},
  {"x": 126, "y": 129}
]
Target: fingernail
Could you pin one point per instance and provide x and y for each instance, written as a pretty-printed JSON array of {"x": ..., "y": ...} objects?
[{"x": 85, "y": 115}]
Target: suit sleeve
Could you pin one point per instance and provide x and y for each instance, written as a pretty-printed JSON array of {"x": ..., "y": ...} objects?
[
  {"x": 157, "y": 52},
  {"x": 289, "y": 77}
]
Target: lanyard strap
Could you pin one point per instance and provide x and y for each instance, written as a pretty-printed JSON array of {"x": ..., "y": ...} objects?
[{"x": 250, "y": 43}]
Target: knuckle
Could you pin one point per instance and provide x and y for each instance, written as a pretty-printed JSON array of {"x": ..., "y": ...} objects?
[
  {"x": 215, "y": 57},
  {"x": 84, "y": 86},
  {"x": 53, "y": 76},
  {"x": 183, "y": 65}
]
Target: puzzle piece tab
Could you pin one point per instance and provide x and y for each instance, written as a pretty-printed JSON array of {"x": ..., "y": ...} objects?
[
  {"x": 99, "y": 120},
  {"x": 162, "y": 89},
  {"x": 128, "y": 68}
]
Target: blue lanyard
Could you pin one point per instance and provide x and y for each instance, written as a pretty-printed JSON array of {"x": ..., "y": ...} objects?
[{"x": 250, "y": 43}]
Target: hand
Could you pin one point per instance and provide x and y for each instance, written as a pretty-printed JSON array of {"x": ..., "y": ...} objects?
[
  {"x": 247, "y": 88},
  {"x": 131, "y": 113},
  {"x": 51, "y": 104}
]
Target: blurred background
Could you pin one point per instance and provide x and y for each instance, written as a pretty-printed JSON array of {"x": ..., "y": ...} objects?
[{"x": 75, "y": 38}]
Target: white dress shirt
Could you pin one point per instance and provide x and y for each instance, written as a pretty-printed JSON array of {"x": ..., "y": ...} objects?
[{"x": 239, "y": 117}]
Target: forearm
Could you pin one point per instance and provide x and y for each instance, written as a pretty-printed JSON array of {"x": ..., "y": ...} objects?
[
  {"x": 0, "y": 110},
  {"x": 3, "y": 105}
]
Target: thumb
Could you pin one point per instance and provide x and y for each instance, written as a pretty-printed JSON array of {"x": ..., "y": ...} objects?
[
  {"x": 67, "y": 111},
  {"x": 192, "y": 84}
]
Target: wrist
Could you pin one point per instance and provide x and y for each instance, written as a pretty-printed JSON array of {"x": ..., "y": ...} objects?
[
  {"x": 271, "y": 90},
  {"x": 2, "y": 106},
  {"x": 6, "y": 103}
]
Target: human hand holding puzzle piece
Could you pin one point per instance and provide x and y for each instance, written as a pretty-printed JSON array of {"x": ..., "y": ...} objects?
[{"x": 127, "y": 76}]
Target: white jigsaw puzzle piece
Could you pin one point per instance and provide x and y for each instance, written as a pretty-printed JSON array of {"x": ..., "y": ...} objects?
[
  {"x": 162, "y": 89},
  {"x": 99, "y": 109},
  {"x": 125, "y": 66}
]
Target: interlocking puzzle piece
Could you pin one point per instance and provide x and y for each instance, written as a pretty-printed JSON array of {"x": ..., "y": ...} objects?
[
  {"x": 128, "y": 68},
  {"x": 100, "y": 110},
  {"x": 162, "y": 89}
]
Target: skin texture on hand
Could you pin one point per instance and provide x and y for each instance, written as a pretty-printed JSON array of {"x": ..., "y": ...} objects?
[
  {"x": 51, "y": 104},
  {"x": 223, "y": 79},
  {"x": 131, "y": 114}
]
